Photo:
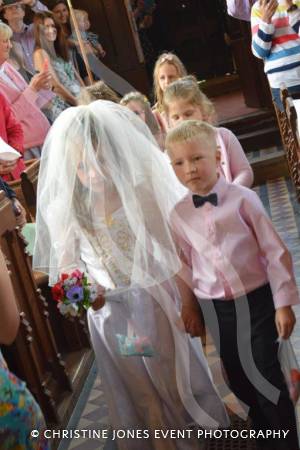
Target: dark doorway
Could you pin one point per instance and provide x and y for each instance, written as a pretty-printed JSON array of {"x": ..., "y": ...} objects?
[{"x": 195, "y": 30}]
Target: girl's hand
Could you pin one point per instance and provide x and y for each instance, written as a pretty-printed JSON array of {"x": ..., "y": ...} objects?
[
  {"x": 193, "y": 320},
  {"x": 100, "y": 299},
  {"x": 285, "y": 321},
  {"x": 268, "y": 8},
  {"x": 98, "y": 303}
]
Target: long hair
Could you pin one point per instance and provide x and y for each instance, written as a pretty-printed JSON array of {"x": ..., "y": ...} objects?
[
  {"x": 60, "y": 45},
  {"x": 187, "y": 88},
  {"x": 166, "y": 58},
  {"x": 67, "y": 28}
]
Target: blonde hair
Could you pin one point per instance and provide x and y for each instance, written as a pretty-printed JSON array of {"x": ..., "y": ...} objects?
[
  {"x": 134, "y": 97},
  {"x": 5, "y": 31},
  {"x": 97, "y": 91},
  {"x": 189, "y": 130},
  {"x": 165, "y": 58},
  {"x": 187, "y": 88},
  {"x": 143, "y": 101},
  {"x": 80, "y": 13}
]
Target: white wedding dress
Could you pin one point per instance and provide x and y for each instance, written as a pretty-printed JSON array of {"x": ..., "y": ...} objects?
[{"x": 170, "y": 390}]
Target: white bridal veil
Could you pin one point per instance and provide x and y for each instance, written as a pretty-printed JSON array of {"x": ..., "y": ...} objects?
[{"x": 111, "y": 147}]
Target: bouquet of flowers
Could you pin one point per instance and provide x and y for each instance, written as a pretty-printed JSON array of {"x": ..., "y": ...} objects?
[{"x": 74, "y": 294}]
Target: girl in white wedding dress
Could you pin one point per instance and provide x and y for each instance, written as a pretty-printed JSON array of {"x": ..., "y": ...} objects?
[{"x": 104, "y": 195}]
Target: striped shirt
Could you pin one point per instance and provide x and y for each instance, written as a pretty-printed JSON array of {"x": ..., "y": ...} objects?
[{"x": 278, "y": 44}]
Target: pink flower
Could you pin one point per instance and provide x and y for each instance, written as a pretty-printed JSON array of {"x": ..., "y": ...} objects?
[
  {"x": 64, "y": 276},
  {"x": 77, "y": 274}
]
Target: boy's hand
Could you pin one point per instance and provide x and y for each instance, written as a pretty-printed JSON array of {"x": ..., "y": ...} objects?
[
  {"x": 268, "y": 8},
  {"x": 192, "y": 318},
  {"x": 285, "y": 321}
]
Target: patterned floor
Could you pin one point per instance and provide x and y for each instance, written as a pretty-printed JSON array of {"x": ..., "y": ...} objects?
[{"x": 91, "y": 411}]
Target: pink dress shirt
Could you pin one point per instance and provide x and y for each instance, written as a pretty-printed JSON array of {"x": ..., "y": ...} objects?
[
  {"x": 234, "y": 163},
  {"x": 233, "y": 248}
]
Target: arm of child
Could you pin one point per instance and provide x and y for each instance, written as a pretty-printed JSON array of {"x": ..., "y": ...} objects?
[
  {"x": 100, "y": 50},
  {"x": 72, "y": 253},
  {"x": 278, "y": 263},
  {"x": 39, "y": 57},
  {"x": 239, "y": 166},
  {"x": 294, "y": 14},
  {"x": 262, "y": 27},
  {"x": 191, "y": 314}
]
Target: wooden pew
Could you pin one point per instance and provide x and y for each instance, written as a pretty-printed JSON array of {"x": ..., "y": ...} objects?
[
  {"x": 34, "y": 353},
  {"x": 29, "y": 181},
  {"x": 69, "y": 336},
  {"x": 287, "y": 120},
  {"x": 17, "y": 187}
]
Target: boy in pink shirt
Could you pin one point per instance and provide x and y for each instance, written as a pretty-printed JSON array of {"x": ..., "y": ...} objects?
[{"x": 236, "y": 266}]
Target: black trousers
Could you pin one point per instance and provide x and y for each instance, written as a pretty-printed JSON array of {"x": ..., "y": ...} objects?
[{"x": 244, "y": 331}]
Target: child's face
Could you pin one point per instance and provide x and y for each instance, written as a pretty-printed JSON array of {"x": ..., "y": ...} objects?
[
  {"x": 86, "y": 22},
  {"x": 195, "y": 164},
  {"x": 167, "y": 73},
  {"x": 137, "y": 108},
  {"x": 83, "y": 22},
  {"x": 90, "y": 178},
  {"x": 180, "y": 110},
  {"x": 80, "y": 22}
]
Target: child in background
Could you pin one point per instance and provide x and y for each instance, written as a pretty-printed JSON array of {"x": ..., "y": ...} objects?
[
  {"x": 236, "y": 266},
  {"x": 168, "y": 68},
  {"x": 184, "y": 100},
  {"x": 90, "y": 39},
  {"x": 138, "y": 103},
  {"x": 275, "y": 40},
  {"x": 97, "y": 91}
]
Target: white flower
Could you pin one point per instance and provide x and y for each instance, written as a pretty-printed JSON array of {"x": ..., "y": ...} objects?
[
  {"x": 70, "y": 282},
  {"x": 69, "y": 309}
]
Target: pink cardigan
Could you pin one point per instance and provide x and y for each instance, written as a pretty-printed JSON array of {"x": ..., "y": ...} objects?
[
  {"x": 26, "y": 105},
  {"x": 234, "y": 163}
]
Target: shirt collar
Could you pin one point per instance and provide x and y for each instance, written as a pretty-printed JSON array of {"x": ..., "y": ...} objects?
[
  {"x": 24, "y": 29},
  {"x": 219, "y": 188}
]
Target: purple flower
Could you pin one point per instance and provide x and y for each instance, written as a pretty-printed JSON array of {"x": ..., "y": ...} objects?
[{"x": 75, "y": 294}]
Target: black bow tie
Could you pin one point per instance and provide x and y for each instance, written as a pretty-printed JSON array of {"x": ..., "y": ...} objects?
[{"x": 199, "y": 200}]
